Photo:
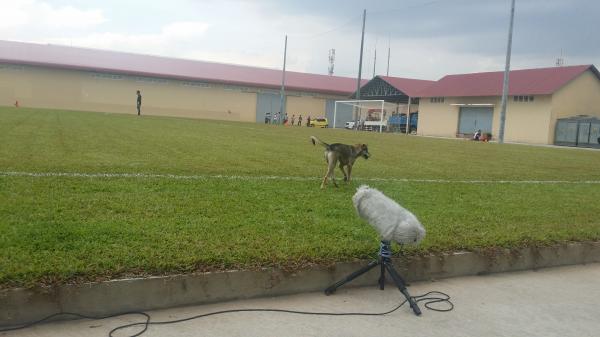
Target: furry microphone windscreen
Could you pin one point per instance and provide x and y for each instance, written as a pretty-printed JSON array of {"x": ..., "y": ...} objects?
[{"x": 390, "y": 220}]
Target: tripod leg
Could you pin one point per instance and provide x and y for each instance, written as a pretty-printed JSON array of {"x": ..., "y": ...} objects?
[
  {"x": 331, "y": 289},
  {"x": 382, "y": 277},
  {"x": 402, "y": 287}
]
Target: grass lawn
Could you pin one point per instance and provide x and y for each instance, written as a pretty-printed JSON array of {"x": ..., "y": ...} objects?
[{"x": 59, "y": 229}]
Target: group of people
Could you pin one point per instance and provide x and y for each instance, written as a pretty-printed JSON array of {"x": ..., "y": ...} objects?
[
  {"x": 299, "y": 122},
  {"x": 293, "y": 122}
]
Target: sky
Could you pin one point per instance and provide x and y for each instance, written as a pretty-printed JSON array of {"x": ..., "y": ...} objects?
[{"x": 427, "y": 39}]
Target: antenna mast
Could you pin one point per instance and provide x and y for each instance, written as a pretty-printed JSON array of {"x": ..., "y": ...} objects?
[
  {"x": 560, "y": 61},
  {"x": 331, "y": 61}
]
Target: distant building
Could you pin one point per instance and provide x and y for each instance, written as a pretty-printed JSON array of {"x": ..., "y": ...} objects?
[
  {"x": 459, "y": 105},
  {"x": 51, "y": 76}
]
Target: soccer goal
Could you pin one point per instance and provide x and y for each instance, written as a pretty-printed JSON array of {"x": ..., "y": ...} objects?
[{"x": 367, "y": 115}]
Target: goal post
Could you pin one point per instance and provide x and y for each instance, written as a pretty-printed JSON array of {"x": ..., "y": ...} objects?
[{"x": 370, "y": 115}]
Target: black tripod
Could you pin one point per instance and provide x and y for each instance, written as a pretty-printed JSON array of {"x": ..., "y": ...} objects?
[{"x": 384, "y": 260}]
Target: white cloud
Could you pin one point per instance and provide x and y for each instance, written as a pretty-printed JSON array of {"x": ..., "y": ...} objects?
[
  {"x": 184, "y": 30},
  {"x": 20, "y": 13}
]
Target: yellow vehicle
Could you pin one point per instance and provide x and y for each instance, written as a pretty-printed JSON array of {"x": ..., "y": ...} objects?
[{"x": 320, "y": 122}]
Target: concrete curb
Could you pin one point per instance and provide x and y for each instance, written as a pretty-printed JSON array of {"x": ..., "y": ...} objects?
[{"x": 111, "y": 297}]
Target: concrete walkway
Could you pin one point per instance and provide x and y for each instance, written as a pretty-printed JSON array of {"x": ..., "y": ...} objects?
[{"x": 561, "y": 301}]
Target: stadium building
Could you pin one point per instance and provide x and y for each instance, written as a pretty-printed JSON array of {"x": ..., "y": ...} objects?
[{"x": 51, "y": 76}]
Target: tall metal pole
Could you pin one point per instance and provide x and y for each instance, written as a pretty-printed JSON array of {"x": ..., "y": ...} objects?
[
  {"x": 362, "y": 43},
  {"x": 282, "y": 93},
  {"x": 387, "y": 73},
  {"x": 506, "y": 74},
  {"x": 375, "y": 62},
  {"x": 408, "y": 116},
  {"x": 375, "y": 59}
]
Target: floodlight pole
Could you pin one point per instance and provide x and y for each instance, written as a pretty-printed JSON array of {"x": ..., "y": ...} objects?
[
  {"x": 387, "y": 73},
  {"x": 408, "y": 116},
  {"x": 375, "y": 59},
  {"x": 381, "y": 116},
  {"x": 282, "y": 93},
  {"x": 362, "y": 42},
  {"x": 506, "y": 75}
]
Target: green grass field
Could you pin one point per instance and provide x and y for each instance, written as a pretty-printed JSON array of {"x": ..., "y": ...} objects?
[{"x": 241, "y": 210}]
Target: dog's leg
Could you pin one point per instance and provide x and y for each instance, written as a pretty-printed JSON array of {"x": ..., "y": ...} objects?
[
  {"x": 333, "y": 176},
  {"x": 325, "y": 179},
  {"x": 349, "y": 168},
  {"x": 343, "y": 172},
  {"x": 331, "y": 161},
  {"x": 324, "y": 182}
]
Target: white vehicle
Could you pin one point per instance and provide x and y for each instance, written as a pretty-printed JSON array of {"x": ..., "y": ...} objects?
[{"x": 349, "y": 125}]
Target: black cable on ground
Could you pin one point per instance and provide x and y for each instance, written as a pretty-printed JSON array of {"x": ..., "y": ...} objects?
[{"x": 427, "y": 298}]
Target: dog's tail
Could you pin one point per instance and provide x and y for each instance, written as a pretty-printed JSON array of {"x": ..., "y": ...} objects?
[{"x": 316, "y": 141}]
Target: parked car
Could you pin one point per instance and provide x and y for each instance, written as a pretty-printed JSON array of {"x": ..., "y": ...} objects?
[
  {"x": 349, "y": 125},
  {"x": 319, "y": 122}
]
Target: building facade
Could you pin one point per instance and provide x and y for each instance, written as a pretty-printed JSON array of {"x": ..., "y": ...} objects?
[
  {"x": 459, "y": 105},
  {"x": 48, "y": 76}
]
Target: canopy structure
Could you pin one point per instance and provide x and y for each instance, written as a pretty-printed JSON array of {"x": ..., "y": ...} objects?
[
  {"x": 394, "y": 93},
  {"x": 392, "y": 89}
]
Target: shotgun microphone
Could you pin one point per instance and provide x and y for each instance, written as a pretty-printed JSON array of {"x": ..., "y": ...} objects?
[{"x": 392, "y": 221}]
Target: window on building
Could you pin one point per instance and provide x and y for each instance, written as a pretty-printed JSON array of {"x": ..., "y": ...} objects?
[
  {"x": 436, "y": 100},
  {"x": 151, "y": 80},
  {"x": 105, "y": 76},
  {"x": 522, "y": 98}
]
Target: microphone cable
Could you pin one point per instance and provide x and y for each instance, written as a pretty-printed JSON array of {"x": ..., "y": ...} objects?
[{"x": 428, "y": 299}]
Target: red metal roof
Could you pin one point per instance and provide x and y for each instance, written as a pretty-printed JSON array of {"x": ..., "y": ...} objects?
[
  {"x": 540, "y": 81},
  {"x": 155, "y": 66},
  {"x": 409, "y": 86}
]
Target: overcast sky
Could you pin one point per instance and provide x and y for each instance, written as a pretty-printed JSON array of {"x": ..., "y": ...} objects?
[{"x": 428, "y": 39}]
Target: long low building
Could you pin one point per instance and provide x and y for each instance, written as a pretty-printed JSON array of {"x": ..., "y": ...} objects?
[{"x": 51, "y": 76}]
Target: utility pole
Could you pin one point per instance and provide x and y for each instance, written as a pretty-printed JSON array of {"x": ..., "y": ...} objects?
[
  {"x": 375, "y": 59},
  {"x": 387, "y": 73},
  {"x": 282, "y": 93},
  {"x": 362, "y": 42},
  {"x": 506, "y": 75}
]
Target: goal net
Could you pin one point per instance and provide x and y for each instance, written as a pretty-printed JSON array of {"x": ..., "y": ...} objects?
[{"x": 368, "y": 115}]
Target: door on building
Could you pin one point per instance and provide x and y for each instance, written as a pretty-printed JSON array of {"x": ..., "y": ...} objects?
[
  {"x": 267, "y": 104},
  {"x": 472, "y": 119}
]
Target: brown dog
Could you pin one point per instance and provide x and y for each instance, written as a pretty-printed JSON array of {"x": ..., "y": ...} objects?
[{"x": 342, "y": 153}]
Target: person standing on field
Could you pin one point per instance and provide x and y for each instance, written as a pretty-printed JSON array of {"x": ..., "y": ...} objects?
[
  {"x": 139, "y": 102},
  {"x": 300, "y": 120}
]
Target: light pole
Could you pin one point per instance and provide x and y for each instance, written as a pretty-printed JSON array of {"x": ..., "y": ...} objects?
[
  {"x": 506, "y": 75},
  {"x": 362, "y": 42},
  {"x": 282, "y": 92}
]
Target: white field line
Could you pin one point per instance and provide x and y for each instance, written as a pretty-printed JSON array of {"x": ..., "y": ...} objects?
[{"x": 258, "y": 178}]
